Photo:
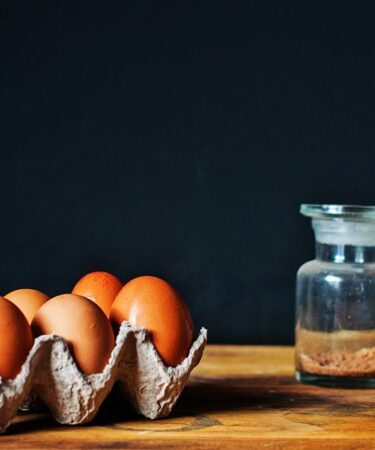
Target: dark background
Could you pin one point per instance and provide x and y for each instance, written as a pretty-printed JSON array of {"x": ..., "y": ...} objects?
[{"x": 178, "y": 139}]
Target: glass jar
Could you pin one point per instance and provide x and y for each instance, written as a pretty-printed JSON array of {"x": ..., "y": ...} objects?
[{"x": 335, "y": 299}]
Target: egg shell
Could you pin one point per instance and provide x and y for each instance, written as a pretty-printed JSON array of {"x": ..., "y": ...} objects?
[
  {"x": 28, "y": 301},
  {"x": 100, "y": 287},
  {"x": 74, "y": 398},
  {"x": 82, "y": 324},
  {"x": 16, "y": 339},
  {"x": 151, "y": 302}
]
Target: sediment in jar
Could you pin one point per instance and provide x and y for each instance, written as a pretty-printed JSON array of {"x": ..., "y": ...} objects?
[{"x": 343, "y": 353}]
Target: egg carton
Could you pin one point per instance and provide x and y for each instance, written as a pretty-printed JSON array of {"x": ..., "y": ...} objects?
[{"x": 74, "y": 398}]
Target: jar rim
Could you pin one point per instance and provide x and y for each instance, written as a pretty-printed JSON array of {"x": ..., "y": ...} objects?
[{"x": 331, "y": 211}]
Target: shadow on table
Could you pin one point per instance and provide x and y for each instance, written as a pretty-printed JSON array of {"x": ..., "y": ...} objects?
[{"x": 254, "y": 393}]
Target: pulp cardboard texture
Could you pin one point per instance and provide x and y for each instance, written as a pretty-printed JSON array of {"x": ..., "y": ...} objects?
[{"x": 73, "y": 397}]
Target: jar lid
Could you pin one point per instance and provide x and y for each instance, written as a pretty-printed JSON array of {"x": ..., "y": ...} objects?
[{"x": 348, "y": 212}]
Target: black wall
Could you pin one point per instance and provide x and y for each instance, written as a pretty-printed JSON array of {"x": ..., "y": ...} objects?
[{"x": 178, "y": 139}]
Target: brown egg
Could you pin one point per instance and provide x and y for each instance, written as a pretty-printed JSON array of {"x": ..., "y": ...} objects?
[
  {"x": 100, "y": 287},
  {"x": 82, "y": 324},
  {"x": 153, "y": 303},
  {"x": 27, "y": 300},
  {"x": 16, "y": 339}
]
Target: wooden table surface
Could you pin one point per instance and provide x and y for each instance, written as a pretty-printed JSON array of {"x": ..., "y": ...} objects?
[{"x": 238, "y": 397}]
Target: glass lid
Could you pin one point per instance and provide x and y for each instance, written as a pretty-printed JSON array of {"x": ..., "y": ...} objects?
[{"x": 349, "y": 212}]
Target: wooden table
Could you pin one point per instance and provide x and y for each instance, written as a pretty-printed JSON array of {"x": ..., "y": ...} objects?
[{"x": 239, "y": 397}]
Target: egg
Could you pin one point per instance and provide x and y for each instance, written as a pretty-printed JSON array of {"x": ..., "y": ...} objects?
[
  {"x": 16, "y": 339},
  {"x": 153, "y": 303},
  {"x": 100, "y": 287},
  {"x": 82, "y": 324},
  {"x": 28, "y": 301}
]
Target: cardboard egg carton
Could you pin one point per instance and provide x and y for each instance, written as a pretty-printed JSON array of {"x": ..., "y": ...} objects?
[{"x": 73, "y": 397}]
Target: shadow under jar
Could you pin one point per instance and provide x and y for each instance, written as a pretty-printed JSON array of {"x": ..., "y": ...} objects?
[{"x": 335, "y": 299}]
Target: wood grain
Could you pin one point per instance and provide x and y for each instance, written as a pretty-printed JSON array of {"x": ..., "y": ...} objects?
[{"x": 239, "y": 397}]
